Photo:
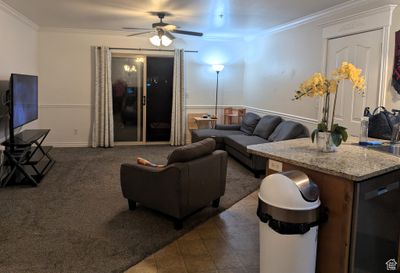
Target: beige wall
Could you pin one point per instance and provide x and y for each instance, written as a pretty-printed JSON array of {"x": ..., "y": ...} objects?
[
  {"x": 275, "y": 66},
  {"x": 65, "y": 65},
  {"x": 18, "y": 54},
  {"x": 276, "y": 63}
]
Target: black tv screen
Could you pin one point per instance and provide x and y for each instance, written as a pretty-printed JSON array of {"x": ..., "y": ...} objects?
[{"x": 24, "y": 99}]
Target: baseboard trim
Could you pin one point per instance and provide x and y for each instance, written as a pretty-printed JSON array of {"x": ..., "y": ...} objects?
[{"x": 68, "y": 144}]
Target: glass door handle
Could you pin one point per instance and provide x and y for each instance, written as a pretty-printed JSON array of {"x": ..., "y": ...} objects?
[{"x": 144, "y": 100}]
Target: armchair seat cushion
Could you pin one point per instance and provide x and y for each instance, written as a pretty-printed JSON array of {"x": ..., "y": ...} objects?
[{"x": 240, "y": 142}]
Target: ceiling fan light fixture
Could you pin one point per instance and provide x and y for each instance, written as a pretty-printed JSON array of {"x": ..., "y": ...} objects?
[
  {"x": 160, "y": 40},
  {"x": 155, "y": 40},
  {"x": 165, "y": 41}
]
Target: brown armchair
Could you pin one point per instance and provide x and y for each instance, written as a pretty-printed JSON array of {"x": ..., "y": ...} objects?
[{"x": 194, "y": 177}]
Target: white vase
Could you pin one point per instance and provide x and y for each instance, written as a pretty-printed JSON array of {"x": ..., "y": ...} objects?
[{"x": 325, "y": 142}]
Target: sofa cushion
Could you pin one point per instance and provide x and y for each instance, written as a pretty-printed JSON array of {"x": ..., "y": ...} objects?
[
  {"x": 218, "y": 135},
  {"x": 240, "y": 142},
  {"x": 266, "y": 126},
  {"x": 249, "y": 123},
  {"x": 287, "y": 130},
  {"x": 192, "y": 151}
]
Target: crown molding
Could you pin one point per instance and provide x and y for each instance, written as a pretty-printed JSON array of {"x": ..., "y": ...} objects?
[
  {"x": 376, "y": 18},
  {"x": 207, "y": 37},
  {"x": 326, "y": 13},
  {"x": 386, "y": 8},
  {"x": 16, "y": 14},
  {"x": 85, "y": 31}
]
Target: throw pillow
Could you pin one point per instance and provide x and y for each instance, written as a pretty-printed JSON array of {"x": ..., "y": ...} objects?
[
  {"x": 249, "y": 123},
  {"x": 266, "y": 126},
  {"x": 145, "y": 162},
  {"x": 287, "y": 130}
]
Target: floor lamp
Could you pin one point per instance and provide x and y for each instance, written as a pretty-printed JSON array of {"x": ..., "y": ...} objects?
[{"x": 217, "y": 68}]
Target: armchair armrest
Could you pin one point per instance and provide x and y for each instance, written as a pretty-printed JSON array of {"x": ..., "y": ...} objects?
[{"x": 232, "y": 127}]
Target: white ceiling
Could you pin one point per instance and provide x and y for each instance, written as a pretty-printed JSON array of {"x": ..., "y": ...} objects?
[{"x": 209, "y": 16}]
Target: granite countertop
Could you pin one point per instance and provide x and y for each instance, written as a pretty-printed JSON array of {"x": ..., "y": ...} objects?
[{"x": 350, "y": 161}]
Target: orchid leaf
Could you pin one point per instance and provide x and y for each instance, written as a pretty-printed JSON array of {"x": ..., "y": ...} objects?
[
  {"x": 313, "y": 134},
  {"x": 336, "y": 139}
]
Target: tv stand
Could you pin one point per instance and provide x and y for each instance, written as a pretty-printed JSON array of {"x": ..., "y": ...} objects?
[{"x": 26, "y": 151}]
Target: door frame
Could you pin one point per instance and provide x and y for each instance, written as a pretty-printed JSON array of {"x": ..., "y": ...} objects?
[
  {"x": 374, "y": 19},
  {"x": 138, "y": 54}
]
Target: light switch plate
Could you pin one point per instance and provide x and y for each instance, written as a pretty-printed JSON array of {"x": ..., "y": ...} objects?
[{"x": 275, "y": 165}]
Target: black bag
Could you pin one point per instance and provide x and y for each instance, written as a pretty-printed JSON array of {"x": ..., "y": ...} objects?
[{"x": 381, "y": 123}]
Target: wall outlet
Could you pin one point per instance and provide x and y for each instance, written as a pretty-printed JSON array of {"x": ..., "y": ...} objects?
[{"x": 275, "y": 165}]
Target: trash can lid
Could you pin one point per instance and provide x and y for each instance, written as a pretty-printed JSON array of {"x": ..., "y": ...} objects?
[{"x": 291, "y": 190}]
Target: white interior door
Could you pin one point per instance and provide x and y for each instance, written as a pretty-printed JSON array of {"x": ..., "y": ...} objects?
[{"x": 364, "y": 51}]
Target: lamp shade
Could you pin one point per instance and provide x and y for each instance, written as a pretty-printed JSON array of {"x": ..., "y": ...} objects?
[{"x": 218, "y": 67}]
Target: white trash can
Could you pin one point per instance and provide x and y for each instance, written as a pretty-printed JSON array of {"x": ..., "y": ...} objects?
[{"x": 288, "y": 209}]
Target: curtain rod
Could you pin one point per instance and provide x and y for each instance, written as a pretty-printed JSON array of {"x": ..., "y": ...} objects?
[{"x": 151, "y": 49}]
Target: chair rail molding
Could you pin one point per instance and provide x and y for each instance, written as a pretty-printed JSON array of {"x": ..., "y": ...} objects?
[
  {"x": 209, "y": 106},
  {"x": 65, "y": 106},
  {"x": 309, "y": 122}
]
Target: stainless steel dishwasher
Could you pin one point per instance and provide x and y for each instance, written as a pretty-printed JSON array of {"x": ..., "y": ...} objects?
[{"x": 376, "y": 225}]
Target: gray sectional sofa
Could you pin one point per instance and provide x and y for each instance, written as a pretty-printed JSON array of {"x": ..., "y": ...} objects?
[{"x": 253, "y": 130}]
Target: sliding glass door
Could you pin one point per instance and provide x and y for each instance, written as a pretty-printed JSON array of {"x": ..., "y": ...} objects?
[
  {"x": 142, "y": 97},
  {"x": 127, "y": 74},
  {"x": 159, "y": 98}
]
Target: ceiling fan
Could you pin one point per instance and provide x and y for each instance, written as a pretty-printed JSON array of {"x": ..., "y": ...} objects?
[{"x": 163, "y": 31}]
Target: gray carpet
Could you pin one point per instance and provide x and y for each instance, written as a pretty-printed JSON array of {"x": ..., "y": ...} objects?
[{"x": 78, "y": 221}]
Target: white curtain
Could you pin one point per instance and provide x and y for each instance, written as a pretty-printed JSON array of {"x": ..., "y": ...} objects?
[
  {"x": 178, "y": 129},
  {"x": 103, "y": 125}
]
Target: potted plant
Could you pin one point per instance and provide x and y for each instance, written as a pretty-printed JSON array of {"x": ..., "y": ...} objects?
[{"x": 329, "y": 134}]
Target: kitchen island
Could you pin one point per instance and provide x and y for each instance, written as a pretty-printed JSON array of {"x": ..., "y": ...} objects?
[{"x": 360, "y": 188}]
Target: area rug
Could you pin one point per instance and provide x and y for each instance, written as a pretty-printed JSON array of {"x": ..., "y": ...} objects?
[{"x": 78, "y": 221}]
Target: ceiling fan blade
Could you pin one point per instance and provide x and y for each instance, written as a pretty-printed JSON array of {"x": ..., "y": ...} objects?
[
  {"x": 169, "y": 35},
  {"x": 136, "y": 28},
  {"x": 139, "y": 33},
  {"x": 185, "y": 32}
]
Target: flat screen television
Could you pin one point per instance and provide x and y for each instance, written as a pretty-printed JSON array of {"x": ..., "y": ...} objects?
[{"x": 23, "y": 101}]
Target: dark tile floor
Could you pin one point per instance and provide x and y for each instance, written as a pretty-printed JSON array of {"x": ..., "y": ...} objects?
[{"x": 227, "y": 243}]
